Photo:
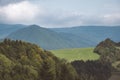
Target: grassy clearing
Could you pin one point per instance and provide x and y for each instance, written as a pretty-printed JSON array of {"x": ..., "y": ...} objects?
[{"x": 76, "y": 54}]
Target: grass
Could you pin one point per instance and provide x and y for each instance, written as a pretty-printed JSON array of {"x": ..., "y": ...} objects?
[
  {"x": 115, "y": 64},
  {"x": 118, "y": 47},
  {"x": 76, "y": 54}
]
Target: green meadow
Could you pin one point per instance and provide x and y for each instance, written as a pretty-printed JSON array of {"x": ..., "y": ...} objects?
[{"x": 76, "y": 54}]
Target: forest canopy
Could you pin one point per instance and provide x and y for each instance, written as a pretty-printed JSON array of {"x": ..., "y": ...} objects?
[{"x": 25, "y": 61}]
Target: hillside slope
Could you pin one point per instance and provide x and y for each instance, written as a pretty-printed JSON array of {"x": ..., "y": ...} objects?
[
  {"x": 43, "y": 37},
  {"x": 90, "y": 34},
  {"x": 6, "y": 29},
  {"x": 60, "y": 38},
  {"x": 109, "y": 51},
  {"x": 25, "y": 61}
]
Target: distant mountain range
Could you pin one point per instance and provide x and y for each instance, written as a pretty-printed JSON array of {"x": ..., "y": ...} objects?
[
  {"x": 6, "y": 29},
  {"x": 93, "y": 33},
  {"x": 59, "y": 38},
  {"x": 45, "y": 38}
]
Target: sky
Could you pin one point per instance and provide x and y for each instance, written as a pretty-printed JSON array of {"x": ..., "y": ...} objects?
[{"x": 60, "y": 13}]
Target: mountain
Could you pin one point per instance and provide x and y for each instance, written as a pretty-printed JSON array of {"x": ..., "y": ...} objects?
[
  {"x": 60, "y": 38},
  {"x": 90, "y": 34},
  {"x": 6, "y": 29},
  {"x": 45, "y": 38}
]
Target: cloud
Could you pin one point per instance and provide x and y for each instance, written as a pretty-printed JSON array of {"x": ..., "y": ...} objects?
[
  {"x": 61, "y": 19},
  {"x": 6, "y": 2},
  {"x": 70, "y": 19},
  {"x": 111, "y": 18},
  {"x": 23, "y": 12}
]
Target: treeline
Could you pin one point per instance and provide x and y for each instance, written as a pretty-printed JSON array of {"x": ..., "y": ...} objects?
[
  {"x": 109, "y": 51},
  {"x": 101, "y": 69},
  {"x": 92, "y": 70},
  {"x": 20, "y": 60},
  {"x": 25, "y": 61}
]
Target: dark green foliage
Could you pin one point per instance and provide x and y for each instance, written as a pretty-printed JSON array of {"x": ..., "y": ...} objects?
[
  {"x": 118, "y": 44},
  {"x": 109, "y": 51},
  {"x": 92, "y": 70},
  {"x": 25, "y": 61},
  {"x": 107, "y": 45}
]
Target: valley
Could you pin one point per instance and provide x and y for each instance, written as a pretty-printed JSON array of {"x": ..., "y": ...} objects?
[
  {"x": 76, "y": 54},
  {"x": 59, "y": 39},
  {"x": 82, "y": 52}
]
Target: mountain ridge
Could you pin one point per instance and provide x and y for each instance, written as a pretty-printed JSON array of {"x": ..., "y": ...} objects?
[
  {"x": 6, "y": 29},
  {"x": 60, "y": 38},
  {"x": 45, "y": 38}
]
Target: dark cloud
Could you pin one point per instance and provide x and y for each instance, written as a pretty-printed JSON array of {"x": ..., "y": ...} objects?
[{"x": 6, "y": 2}]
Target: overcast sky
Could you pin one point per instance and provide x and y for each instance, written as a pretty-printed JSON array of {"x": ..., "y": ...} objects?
[{"x": 60, "y": 13}]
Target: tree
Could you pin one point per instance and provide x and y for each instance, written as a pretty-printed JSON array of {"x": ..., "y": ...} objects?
[
  {"x": 25, "y": 61},
  {"x": 48, "y": 69},
  {"x": 92, "y": 70}
]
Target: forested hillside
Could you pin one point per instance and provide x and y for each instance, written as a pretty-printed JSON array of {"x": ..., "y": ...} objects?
[
  {"x": 25, "y": 61},
  {"x": 109, "y": 51},
  {"x": 21, "y": 60}
]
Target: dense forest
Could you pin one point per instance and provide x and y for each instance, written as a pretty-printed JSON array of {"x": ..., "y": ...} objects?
[
  {"x": 109, "y": 51},
  {"x": 92, "y": 70},
  {"x": 24, "y": 61},
  {"x": 103, "y": 68},
  {"x": 21, "y": 60}
]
